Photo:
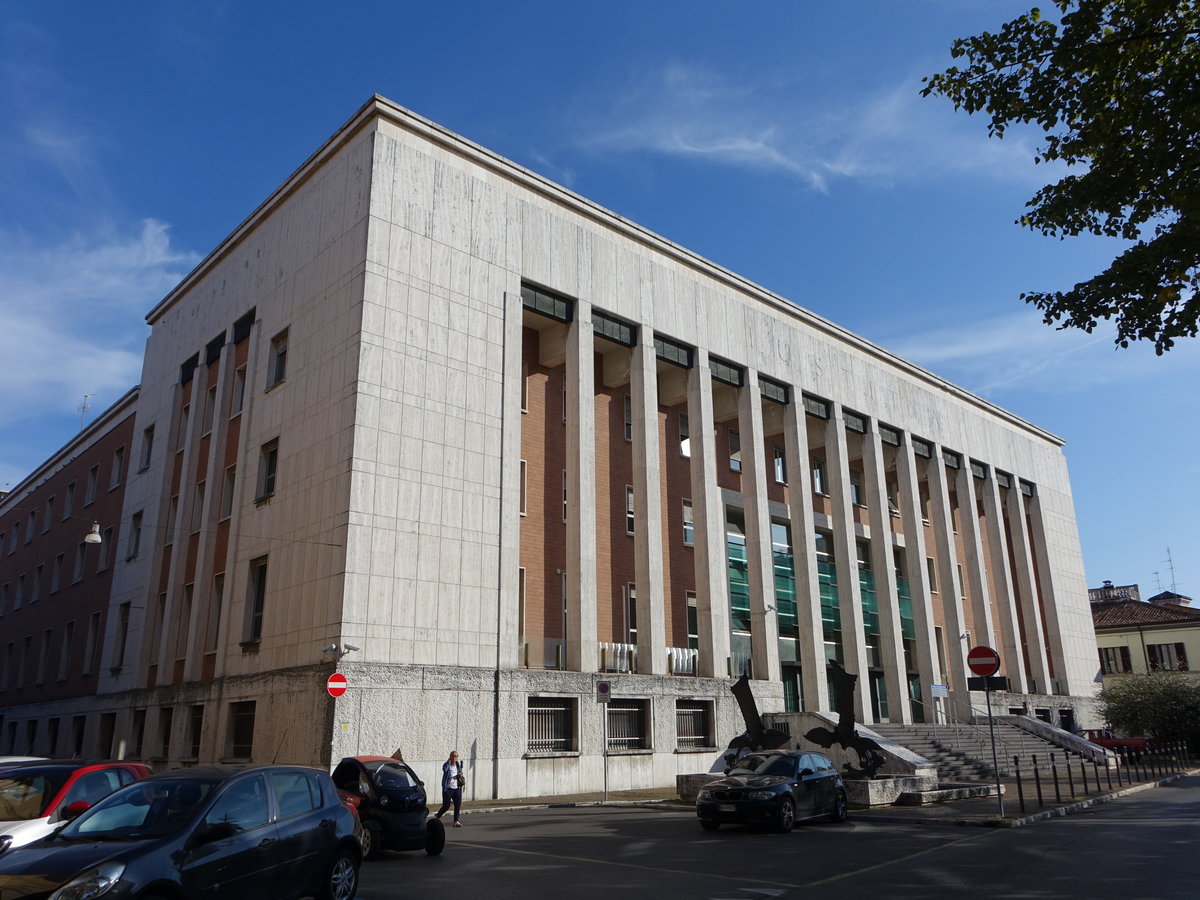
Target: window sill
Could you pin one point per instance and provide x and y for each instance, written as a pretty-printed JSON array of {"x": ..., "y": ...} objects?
[
  {"x": 233, "y": 760},
  {"x": 271, "y": 387},
  {"x": 713, "y": 749},
  {"x": 551, "y": 754},
  {"x": 131, "y": 557},
  {"x": 265, "y": 498},
  {"x": 250, "y": 646},
  {"x": 636, "y": 751}
]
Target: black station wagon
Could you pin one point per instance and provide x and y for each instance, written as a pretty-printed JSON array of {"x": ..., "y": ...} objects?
[{"x": 775, "y": 788}]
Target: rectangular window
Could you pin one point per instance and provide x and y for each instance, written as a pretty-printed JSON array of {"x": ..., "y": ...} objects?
[
  {"x": 564, "y": 495},
  {"x": 268, "y": 464},
  {"x": 68, "y": 649},
  {"x": 56, "y": 573},
  {"x": 43, "y": 656},
  {"x": 631, "y": 613},
  {"x": 227, "y": 490},
  {"x": 172, "y": 518},
  {"x": 856, "y": 488},
  {"x": 47, "y": 518},
  {"x": 524, "y": 388},
  {"x": 239, "y": 392},
  {"x": 257, "y": 596},
  {"x": 629, "y": 518},
  {"x": 198, "y": 506},
  {"x": 693, "y": 625},
  {"x": 195, "y": 730},
  {"x": 35, "y": 593},
  {"x": 1115, "y": 660},
  {"x": 69, "y": 501},
  {"x": 735, "y": 451},
  {"x": 241, "y": 729},
  {"x": 91, "y": 644},
  {"x": 818, "y": 476},
  {"x": 210, "y": 408},
  {"x": 185, "y": 415},
  {"x": 106, "y": 545},
  {"x": 78, "y": 725},
  {"x": 80, "y": 559},
  {"x": 5, "y": 590},
  {"x": 118, "y": 658},
  {"x": 523, "y": 498},
  {"x": 30, "y": 526},
  {"x": 551, "y": 724},
  {"x": 166, "y": 720},
  {"x": 137, "y": 730},
  {"x": 19, "y": 596},
  {"x": 628, "y": 724},
  {"x": 628, "y": 418},
  {"x": 693, "y": 724},
  {"x": 147, "y": 448},
  {"x": 93, "y": 479},
  {"x": 931, "y": 569},
  {"x": 23, "y": 662},
  {"x": 1167, "y": 657},
  {"x": 689, "y": 525},
  {"x": 215, "y": 604},
  {"x": 118, "y": 468},
  {"x": 135, "y": 536},
  {"x": 183, "y": 626},
  {"x": 277, "y": 361},
  {"x": 685, "y": 441},
  {"x": 780, "y": 465}
]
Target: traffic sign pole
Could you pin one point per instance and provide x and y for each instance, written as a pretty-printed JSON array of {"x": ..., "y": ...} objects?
[
  {"x": 995, "y": 762},
  {"x": 985, "y": 662}
]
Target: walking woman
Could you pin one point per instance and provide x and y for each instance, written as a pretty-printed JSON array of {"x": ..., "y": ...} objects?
[{"x": 453, "y": 779}]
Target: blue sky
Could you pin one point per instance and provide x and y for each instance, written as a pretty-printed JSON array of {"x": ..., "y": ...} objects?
[{"x": 784, "y": 140}]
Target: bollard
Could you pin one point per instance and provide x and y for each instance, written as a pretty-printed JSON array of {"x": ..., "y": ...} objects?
[
  {"x": 1120, "y": 762},
  {"x": 1083, "y": 775},
  {"x": 1107, "y": 772},
  {"x": 1054, "y": 772},
  {"x": 1020, "y": 788},
  {"x": 1070, "y": 774},
  {"x": 1037, "y": 780}
]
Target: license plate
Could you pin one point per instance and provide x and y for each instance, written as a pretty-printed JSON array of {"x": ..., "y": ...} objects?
[{"x": 726, "y": 807}]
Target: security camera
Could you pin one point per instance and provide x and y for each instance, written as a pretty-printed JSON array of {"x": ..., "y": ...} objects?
[
  {"x": 349, "y": 647},
  {"x": 332, "y": 648}
]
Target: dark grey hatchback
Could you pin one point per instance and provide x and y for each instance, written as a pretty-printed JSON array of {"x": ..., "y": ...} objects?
[
  {"x": 263, "y": 832},
  {"x": 775, "y": 788}
]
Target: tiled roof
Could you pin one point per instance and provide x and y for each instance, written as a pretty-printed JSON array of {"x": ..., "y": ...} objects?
[{"x": 1131, "y": 612}]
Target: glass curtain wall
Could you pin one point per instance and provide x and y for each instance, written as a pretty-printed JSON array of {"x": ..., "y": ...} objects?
[{"x": 786, "y": 616}]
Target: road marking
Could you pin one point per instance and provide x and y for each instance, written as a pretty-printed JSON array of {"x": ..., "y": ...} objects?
[{"x": 891, "y": 862}]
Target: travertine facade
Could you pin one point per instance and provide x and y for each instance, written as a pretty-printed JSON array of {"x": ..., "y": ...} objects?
[{"x": 507, "y": 444}]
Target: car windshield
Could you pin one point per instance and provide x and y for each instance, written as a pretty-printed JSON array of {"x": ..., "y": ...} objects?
[
  {"x": 25, "y": 793},
  {"x": 771, "y": 764},
  {"x": 144, "y": 809},
  {"x": 392, "y": 777}
]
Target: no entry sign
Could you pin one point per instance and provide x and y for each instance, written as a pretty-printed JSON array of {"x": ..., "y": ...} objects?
[
  {"x": 983, "y": 661},
  {"x": 336, "y": 685}
]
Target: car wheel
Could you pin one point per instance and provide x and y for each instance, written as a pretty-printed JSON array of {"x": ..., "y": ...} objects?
[
  {"x": 709, "y": 825},
  {"x": 786, "y": 817},
  {"x": 342, "y": 881},
  {"x": 840, "y": 808},
  {"x": 372, "y": 843},
  {"x": 435, "y": 837}
]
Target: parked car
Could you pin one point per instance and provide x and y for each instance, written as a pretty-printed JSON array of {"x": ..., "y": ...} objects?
[
  {"x": 35, "y": 797},
  {"x": 776, "y": 788},
  {"x": 13, "y": 762},
  {"x": 261, "y": 832},
  {"x": 390, "y": 800},
  {"x": 1107, "y": 738}
]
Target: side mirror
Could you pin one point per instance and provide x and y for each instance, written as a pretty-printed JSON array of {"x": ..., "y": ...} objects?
[
  {"x": 804, "y": 773},
  {"x": 420, "y": 783},
  {"x": 218, "y": 831},
  {"x": 74, "y": 810},
  {"x": 727, "y": 770}
]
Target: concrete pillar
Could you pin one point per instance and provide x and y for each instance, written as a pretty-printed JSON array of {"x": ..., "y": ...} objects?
[
  {"x": 1008, "y": 626},
  {"x": 708, "y": 513},
  {"x": 1048, "y": 601},
  {"x": 582, "y": 648},
  {"x": 508, "y": 625},
  {"x": 949, "y": 589},
  {"x": 764, "y": 626},
  {"x": 973, "y": 560},
  {"x": 647, "y": 498},
  {"x": 1031, "y": 614}
]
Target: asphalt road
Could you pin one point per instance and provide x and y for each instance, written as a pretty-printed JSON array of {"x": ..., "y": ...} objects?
[{"x": 1142, "y": 846}]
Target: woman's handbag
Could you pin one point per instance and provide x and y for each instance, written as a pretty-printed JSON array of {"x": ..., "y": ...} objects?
[{"x": 461, "y": 779}]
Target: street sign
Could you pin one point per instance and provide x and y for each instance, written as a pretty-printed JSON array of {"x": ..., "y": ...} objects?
[
  {"x": 988, "y": 683},
  {"x": 603, "y": 691},
  {"x": 983, "y": 661},
  {"x": 336, "y": 685},
  {"x": 939, "y": 690}
]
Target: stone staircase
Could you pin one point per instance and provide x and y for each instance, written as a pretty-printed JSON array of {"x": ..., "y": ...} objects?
[{"x": 964, "y": 752}]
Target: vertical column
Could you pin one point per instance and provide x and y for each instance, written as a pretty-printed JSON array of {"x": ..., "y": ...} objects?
[
  {"x": 947, "y": 570},
  {"x": 1008, "y": 626},
  {"x": 1048, "y": 606},
  {"x": 708, "y": 513},
  {"x": 973, "y": 562},
  {"x": 508, "y": 626},
  {"x": 909, "y": 500},
  {"x": 804, "y": 556},
  {"x": 764, "y": 627},
  {"x": 845, "y": 549},
  {"x": 891, "y": 645},
  {"x": 582, "y": 650},
  {"x": 647, "y": 492},
  {"x": 1035, "y": 645}
]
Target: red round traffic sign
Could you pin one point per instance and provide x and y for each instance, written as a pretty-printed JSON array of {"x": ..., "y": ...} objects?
[
  {"x": 983, "y": 661},
  {"x": 336, "y": 685}
]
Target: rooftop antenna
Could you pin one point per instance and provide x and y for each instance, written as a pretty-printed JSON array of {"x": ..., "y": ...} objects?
[
  {"x": 1157, "y": 584},
  {"x": 83, "y": 407},
  {"x": 1171, "y": 565}
]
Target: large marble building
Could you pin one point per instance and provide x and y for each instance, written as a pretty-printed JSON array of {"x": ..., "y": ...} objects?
[{"x": 433, "y": 421}]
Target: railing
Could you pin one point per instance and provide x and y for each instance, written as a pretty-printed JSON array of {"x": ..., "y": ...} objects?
[
  {"x": 626, "y": 725},
  {"x": 682, "y": 660},
  {"x": 618, "y": 657},
  {"x": 549, "y": 728},
  {"x": 692, "y": 720}
]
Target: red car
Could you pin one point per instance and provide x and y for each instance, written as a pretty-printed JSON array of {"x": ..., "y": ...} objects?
[
  {"x": 1104, "y": 737},
  {"x": 36, "y": 798}
]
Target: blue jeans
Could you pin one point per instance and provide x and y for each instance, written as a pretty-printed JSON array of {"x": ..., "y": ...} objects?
[{"x": 451, "y": 795}]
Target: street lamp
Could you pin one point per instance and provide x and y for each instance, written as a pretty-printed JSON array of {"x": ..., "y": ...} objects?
[{"x": 93, "y": 536}]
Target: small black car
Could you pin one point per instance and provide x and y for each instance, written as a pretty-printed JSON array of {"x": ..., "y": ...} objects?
[
  {"x": 773, "y": 788},
  {"x": 219, "y": 832},
  {"x": 390, "y": 800}
]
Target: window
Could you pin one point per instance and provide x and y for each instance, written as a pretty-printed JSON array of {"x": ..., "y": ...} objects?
[
  {"x": 685, "y": 442},
  {"x": 5, "y": 590},
  {"x": 93, "y": 478},
  {"x": 257, "y": 595},
  {"x": 135, "y": 536},
  {"x": 524, "y": 495},
  {"x": 92, "y": 644},
  {"x": 147, "y": 448},
  {"x": 1167, "y": 656},
  {"x": 184, "y": 416},
  {"x": 105, "y": 548},
  {"x": 6, "y": 668},
  {"x": 1115, "y": 660},
  {"x": 735, "y": 451},
  {"x": 689, "y": 525},
  {"x": 818, "y": 476},
  {"x": 49, "y": 514},
  {"x": 564, "y": 495},
  {"x": 56, "y": 573},
  {"x": 628, "y": 722},
  {"x": 931, "y": 569},
  {"x": 693, "y": 627},
  {"x": 69, "y": 501},
  {"x": 16, "y": 532},
  {"x": 268, "y": 463},
  {"x": 198, "y": 506},
  {"x": 551, "y": 723},
  {"x": 118, "y": 468},
  {"x": 35, "y": 593},
  {"x": 118, "y": 658},
  {"x": 184, "y": 621},
  {"x": 210, "y": 408},
  {"x": 213, "y": 625},
  {"x": 277, "y": 361},
  {"x": 628, "y": 418},
  {"x": 43, "y": 656},
  {"x": 241, "y": 732},
  {"x": 78, "y": 724},
  {"x": 693, "y": 724},
  {"x": 138, "y": 734},
  {"x": 23, "y": 662},
  {"x": 239, "y": 392},
  {"x": 20, "y": 594},
  {"x": 629, "y": 520},
  {"x": 227, "y": 489},
  {"x": 172, "y": 517},
  {"x": 856, "y": 488},
  {"x": 68, "y": 648},
  {"x": 30, "y": 526},
  {"x": 195, "y": 730},
  {"x": 631, "y": 613},
  {"x": 524, "y": 388},
  {"x": 80, "y": 558},
  {"x": 780, "y": 465},
  {"x": 166, "y": 720}
]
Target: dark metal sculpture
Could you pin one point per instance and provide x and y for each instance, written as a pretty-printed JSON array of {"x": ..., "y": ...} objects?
[
  {"x": 757, "y": 736},
  {"x": 870, "y": 755}
]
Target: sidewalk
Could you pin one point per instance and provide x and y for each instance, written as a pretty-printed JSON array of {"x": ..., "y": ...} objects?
[{"x": 983, "y": 811}]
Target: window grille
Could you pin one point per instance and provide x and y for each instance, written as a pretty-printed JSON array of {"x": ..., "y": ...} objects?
[
  {"x": 723, "y": 371},
  {"x": 614, "y": 329},
  {"x": 669, "y": 351},
  {"x": 815, "y": 406},
  {"x": 979, "y": 470},
  {"x": 922, "y": 448},
  {"x": 693, "y": 724},
  {"x": 773, "y": 390},
  {"x": 1027, "y": 488},
  {"x": 1003, "y": 479},
  {"x": 627, "y": 725},
  {"x": 550, "y": 724},
  {"x": 889, "y": 435},
  {"x": 854, "y": 421},
  {"x": 951, "y": 459}
]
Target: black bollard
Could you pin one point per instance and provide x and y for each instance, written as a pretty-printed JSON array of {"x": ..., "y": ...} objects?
[
  {"x": 1037, "y": 781},
  {"x": 1107, "y": 772},
  {"x": 1083, "y": 775},
  {"x": 1020, "y": 788},
  {"x": 1054, "y": 773},
  {"x": 1070, "y": 774}
]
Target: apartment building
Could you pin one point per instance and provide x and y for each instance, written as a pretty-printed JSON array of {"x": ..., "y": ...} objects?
[{"x": 430, "y": 420}]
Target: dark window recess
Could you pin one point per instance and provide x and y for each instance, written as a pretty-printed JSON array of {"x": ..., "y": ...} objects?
[
  {"x": 773, "y": 390},
  {"x": 726, "y": 372},
  {"x": 614, "y": 329},
  {"x": 1027, "y": 488},
  {"x": 676, "y": 354},
  {"x": 855, "y": 422},
  {"x": 1003, "y": 479},
  {"x": 978, "y": 469},
  {"x": 951, "y": 459},
  {"x": 815, "y": 406},
  {"x": 188, "y": 369},
  {"x": 889, "y": 435},
  {"x": 212, "y": 350},
  {"x": 922, "y": 448},
  {"x": 546, "y": 304},
  {"x": 242, "y": 327}
]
